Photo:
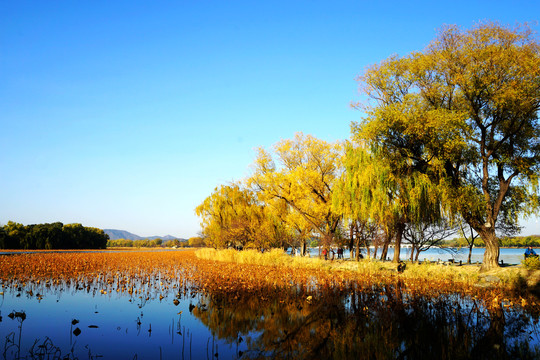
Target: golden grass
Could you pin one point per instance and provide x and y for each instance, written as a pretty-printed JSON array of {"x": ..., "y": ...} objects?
[
  {"x": 236, "y": 274},
  {"x": 273, "y": 257},
  {"x": 468, "y": 275},
  {"x": 430, "y": 279}
]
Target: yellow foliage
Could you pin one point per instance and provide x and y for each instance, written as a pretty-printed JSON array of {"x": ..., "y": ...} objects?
[
  {"x": 465, "y": 113},
  {"x": 303, "y": 181}
]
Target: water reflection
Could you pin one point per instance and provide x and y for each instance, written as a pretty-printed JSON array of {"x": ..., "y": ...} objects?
[
  {"x": 73, "y": 322},
  {"x": 110, "y": 315},
  {"x": 381, "y": 324}
]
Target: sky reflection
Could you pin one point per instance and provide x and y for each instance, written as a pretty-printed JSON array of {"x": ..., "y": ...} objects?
[{"x": 382, "y": 324}]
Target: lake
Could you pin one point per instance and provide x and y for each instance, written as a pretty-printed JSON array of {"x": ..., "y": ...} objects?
[
  {"x": 172, "y": 306},
  {"x": 512, "y": 256}
]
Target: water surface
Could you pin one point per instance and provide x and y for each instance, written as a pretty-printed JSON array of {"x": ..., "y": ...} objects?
[{"x": 156, "y": 315}]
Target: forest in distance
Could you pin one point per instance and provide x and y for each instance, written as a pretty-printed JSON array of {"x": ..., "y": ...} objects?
[
  {"x": 51, "y": 236},
  {"x": 514, "y": 241},
  {"x": 507, "y": 241}
]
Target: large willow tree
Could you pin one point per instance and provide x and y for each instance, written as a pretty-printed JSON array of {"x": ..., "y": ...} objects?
[
  {"x": 386, "y": 190},
  {"x": 464, "y": 111},
  {"x": 232, "y": 216},
  {"x": 301, "y": 173}
]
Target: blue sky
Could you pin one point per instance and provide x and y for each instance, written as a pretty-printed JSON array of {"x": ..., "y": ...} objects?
[{"x": 127, "y": 114}]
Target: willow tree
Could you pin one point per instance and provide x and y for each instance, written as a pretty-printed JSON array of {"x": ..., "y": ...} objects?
[
  {"x": 286, "y": 226},
  {"x": 465, "y": 110},
  {"x": 297, "y": 228},
  {"x": 302, "y": 176},
  {"x": 232, "y": 216},
  {"x": 380, "y": 188},
  {"x": 357, "y": 199}
]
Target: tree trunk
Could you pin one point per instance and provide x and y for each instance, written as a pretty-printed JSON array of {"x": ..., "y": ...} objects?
[
  {"x": 351, "y": 238},
  {"x": 471, "y": 244},
  {"x": 384, "y": 251},
  {"x": 399, "y": 235},
  {"x": 327, "y": 240},
  {"x": 357, "y": 249},
  {"x": 357, "y": 245},
  {"x": 304, "y": 247},
  {"x": 368, "y": 251},
  {"x": 491, "y": 256},
  {"x": 387, "y": 240}
]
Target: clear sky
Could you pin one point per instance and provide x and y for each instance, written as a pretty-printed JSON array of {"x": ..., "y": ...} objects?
[{"x": 127, "y": 114}]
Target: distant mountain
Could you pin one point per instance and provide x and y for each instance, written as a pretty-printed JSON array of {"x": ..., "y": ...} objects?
[
  {"x": 123, "y": 234},
  {"x": 167, "y": 237}
]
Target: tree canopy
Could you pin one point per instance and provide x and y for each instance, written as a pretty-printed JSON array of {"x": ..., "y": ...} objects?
[
  {"x": 234, "y": 217},
  {"x": 465, "y": 112},
  {"x": 448, "y": 134},
  {"x": 303, "y": 178}
]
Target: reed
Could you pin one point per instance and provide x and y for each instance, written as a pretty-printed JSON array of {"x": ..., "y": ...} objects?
[{"x": 467, "y": 275}]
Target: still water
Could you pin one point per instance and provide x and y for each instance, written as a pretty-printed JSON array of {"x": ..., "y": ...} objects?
[
  {"x": 381, "y": 324},
  {"x": 72, "y": 320},
  {"x": 512, "y": 256},
  {"x": 112, "y": 325}
]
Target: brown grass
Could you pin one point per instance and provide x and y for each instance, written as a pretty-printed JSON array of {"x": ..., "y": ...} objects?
[{"x": 246, "y": 273}]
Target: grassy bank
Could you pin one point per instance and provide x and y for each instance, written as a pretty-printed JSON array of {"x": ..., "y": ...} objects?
[{"x": 509, "y": 278}]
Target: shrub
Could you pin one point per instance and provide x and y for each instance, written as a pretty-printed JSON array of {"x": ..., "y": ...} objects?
[{"x": 532, "y": 262}]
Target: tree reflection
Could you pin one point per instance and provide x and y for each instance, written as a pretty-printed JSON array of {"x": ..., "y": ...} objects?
[{"x": 383, "y": 323}]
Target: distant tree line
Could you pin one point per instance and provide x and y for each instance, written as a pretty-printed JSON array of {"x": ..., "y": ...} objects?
[
  {"x": 520, "y": 241},
  {"x": 147, "y": 243},
  {"x": 136, "y": 243},
  {"x": 507, "y": 241},
  {"x": 51, "y": 236}
]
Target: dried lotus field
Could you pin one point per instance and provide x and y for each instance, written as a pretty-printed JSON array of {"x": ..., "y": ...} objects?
[{"x": 177, "y": 305}]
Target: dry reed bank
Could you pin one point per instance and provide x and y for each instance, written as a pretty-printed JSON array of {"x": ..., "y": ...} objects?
[
  {"x": 237, "y": 274},
  {"x": 506, "y": 279}
]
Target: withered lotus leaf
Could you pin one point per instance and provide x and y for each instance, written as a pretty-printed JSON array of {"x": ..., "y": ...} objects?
[{"x": 146, "y": 275}]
